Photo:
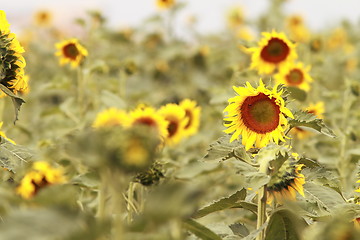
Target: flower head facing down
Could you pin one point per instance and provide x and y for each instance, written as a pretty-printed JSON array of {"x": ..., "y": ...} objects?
[
  {"x": 176, "y": 117},
  {"x": 71, "y": 51},
  {"x": 165, "y": 4},
  {"x": 285, "y": 184},
  {"x": 148, "y": 116},
  {"x": 110, "y": 118},
  {"x": 41, "y": 175},
  {"x": 258, "y": 115},
  {"x": 295, "y": 75},
  {"x": 274, "y": 51},
  {"x": 12, "y": 61},
  {"x": 192, "y": 114}
]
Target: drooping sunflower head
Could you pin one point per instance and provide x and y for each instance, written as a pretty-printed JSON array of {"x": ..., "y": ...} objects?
[
  {"x": 295, "y": 75},
  {"x": 258, "y": 115},
  {"x": 149, "y": 117},
  {"x": 43, "y": 18},
  {"x": 176, "y": 117},
  {"x": 165, "y": 4},
  {"x": 12, "y": 63},
  {"x": 192, "y": 114},
  {"x": 71, "y": 51},
  {"x": 41, "y": 175},
  {"x": 288, "y": 180},
  {"x": 274, "y": 51},
  {"x": 110, "y": 118}
]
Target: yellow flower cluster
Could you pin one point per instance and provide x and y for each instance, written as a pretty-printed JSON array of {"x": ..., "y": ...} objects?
[
  {"x": 171, "y": 122},
  {"x": 41, "y": 175}
]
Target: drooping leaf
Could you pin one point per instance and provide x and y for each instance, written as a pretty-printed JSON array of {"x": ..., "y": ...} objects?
[
  {"x": 305, "y": 119},
  {"x": 222, "y": 204},
  {"x": 17, "y": 101},
  {"x": 222, "y": 150},
  {"x": 284, "y": 225},
  {"x": 297, "y": 93},
  {"x": 239, "y": 229},
  {"x": 200, "y": 230},
  {"x": 12, "y": 156}
]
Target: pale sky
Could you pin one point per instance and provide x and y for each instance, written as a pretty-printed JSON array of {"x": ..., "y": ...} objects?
[{"x": 210, "y": 13}]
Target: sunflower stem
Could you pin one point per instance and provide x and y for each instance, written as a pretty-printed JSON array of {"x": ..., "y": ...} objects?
[
  {"x": 130, "y": 201},
  {"x": 102, "y": 195},
  {"x": 262, "y": 195},
  {"x": 80, "y": 89}
]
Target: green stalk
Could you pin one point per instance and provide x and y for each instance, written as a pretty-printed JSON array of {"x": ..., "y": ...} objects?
[
  {"x": 262, "y": 194},
  {"x": 102, "y": 193}
]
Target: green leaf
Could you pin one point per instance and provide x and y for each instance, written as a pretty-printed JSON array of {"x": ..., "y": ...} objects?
[
  {"x": 297, "y": 93},
  {"x": 17, "y": 101},
  {"x": 305, "y": 119},
  {"x": 326, "y": 197},
  {"x": 222, "y": 150},
  {"x": 200, "y": 230},
  {"x": 13, "y": 156},
  {"x": 255, "y": 233},
  {"x": 222, "y": 204},
  {"x": 284, "y": 225},
  {"x": 239, "y": 229}
]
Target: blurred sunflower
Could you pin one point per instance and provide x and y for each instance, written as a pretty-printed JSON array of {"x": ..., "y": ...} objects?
[
  {"x": 111, "y": 117},
  {"x": 176, "y": 117},
  {"x": 257, "y": 114},
  {"x": 192, "y": 114},
  {"x": 42, "y": 175},
  {"x": 43, "y": 18},
  {"x": 165, "y": 4},
  {"x": 11, "y": 60},
  {"x": 235, "y": 17},
  {"x": 71, "y": 51},
  {"x": 316, "y": 109},
  {"x": 274, "y": 51},
  {"x": 2, "y": 134},
  {"x": 285, "y": 184},
  {"x": 295, "y": 75},
  {"x": 148, "y": 116},
  {"x": 298, "y": 32}
]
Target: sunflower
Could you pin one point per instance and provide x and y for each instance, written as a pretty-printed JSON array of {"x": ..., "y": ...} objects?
[
  {"x": 317, "y": 109},
  {"x": 295, "y": 75},
  {"x": 71, "y": 51},
  {"x": 192, "y": 114},
  {"x": 148, "y": 116},
  {"x": 274, "y": 51},
  {"x": 298, "y": 32},
  {"x": 235, "y": 17},
  {"x": 285, "y": 184},
  {"x": 111, "y": 117},
  {"x": 41, "y": 175},
  {"x": 165, "y": 4},
  {"x": 12, "y": 61},
  {"x": 43, "y": 18},
  {"x": 176, "y": 116},
  {"x": 257, "y": 114}
]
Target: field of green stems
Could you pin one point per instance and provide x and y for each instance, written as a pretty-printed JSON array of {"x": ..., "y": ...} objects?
[{"x": 136, "y": 134}]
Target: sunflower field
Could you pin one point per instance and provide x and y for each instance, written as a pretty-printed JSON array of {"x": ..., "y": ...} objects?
[{"x": 136, "y": 134}]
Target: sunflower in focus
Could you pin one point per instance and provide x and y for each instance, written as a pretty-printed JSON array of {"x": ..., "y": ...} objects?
[
  {"x": 43, "y": 18},
  {"x": 110, "y": 118},
  {"x": 41, "y": 175},
  {"x": 295, "y": 75},
  {"x": 165, "y": 4},
  {"x": 11, "y": 59},
  {"x": 176, "y": 117},
  {"x": 2, "y": 134},
  {"x": 257, "y": 114},
  {"x": 192, "y": 114},
  {"x": 274, "y": 51},
  {"x": 71, "y": 51},
  {"x": 148, "y": 116},
  {"x": 284, "y": 185}
]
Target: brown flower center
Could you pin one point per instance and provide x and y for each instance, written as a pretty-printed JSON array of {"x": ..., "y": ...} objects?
[
  {"x": 146, "y": 121},
  {"x": 275, "y": 51},
  {"x": 172, "y": 128},
  {"x": 295, "y": 77},
  {"x": 189, "y": 116},
  {"x": 70, "y": 51},
  {"x": 260, "y": 113}
]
